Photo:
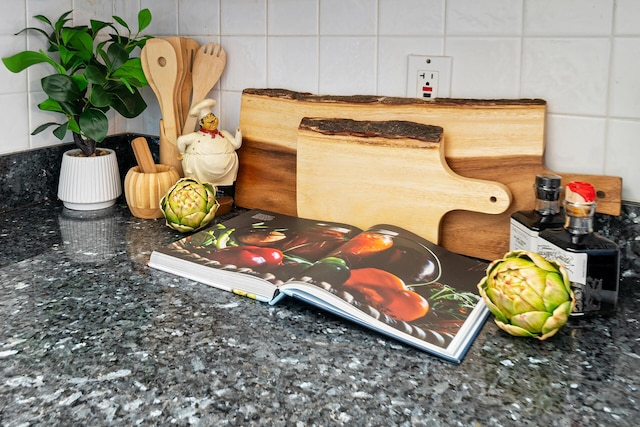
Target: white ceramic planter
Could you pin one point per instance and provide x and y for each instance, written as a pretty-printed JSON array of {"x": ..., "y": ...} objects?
[{"x": 89, "y": 183}]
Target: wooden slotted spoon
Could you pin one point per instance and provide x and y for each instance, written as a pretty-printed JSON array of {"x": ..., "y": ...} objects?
[{"x": 208, "y": 64}]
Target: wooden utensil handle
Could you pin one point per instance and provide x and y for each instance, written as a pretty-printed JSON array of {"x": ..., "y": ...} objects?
[{"x": 143, "y": 155}]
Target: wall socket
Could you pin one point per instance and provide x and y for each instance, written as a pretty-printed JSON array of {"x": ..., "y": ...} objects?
[{"x": 429, "y": 77}]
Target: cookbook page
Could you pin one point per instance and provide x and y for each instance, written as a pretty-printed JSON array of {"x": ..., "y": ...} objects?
[
  {"x": 398, "y": 278},
  {"x": 260, "y": 245}
]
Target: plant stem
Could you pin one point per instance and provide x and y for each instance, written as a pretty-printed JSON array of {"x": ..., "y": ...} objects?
[{"x": 88, "y": 145}]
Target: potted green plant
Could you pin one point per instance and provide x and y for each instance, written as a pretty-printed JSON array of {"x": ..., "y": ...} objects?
[{"x": 91, "y": 75}]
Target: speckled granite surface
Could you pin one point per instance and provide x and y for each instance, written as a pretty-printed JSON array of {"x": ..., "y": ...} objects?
[{"x": 90, "y": 336}]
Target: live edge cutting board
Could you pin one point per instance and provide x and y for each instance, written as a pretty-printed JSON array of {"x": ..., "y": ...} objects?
[
  {"x": 385, "y": 163},
  {"x": 493, "y": 140}
]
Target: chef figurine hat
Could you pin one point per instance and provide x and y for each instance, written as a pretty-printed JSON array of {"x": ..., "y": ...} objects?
[{"x": 203, "y": 109}]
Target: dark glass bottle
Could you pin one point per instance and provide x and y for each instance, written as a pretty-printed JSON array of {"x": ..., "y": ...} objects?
[
  {"x": 526, "y": 225},
  {"x": 592, "y": 261}
]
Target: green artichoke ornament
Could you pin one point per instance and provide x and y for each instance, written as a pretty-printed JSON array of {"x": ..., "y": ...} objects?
[
  {"x": 529, "y": 295},
  {"x": 189, "y": 205}
]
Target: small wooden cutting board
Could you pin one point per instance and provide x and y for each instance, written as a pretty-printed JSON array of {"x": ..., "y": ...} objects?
[{"x": 388, "y": 172}]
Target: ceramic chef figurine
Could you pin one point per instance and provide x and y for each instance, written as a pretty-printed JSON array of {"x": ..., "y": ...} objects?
[{"x": 209, "y": 155}]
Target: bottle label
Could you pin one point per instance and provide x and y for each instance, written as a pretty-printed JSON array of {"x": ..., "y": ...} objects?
[
  {"x": 522, "y": 238},
  {"x": 576, "y": 265}
]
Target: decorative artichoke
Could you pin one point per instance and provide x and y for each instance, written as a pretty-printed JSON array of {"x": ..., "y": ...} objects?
[
  {"x": 189, "y": 205},
  {"x": 529, "y": 295}
]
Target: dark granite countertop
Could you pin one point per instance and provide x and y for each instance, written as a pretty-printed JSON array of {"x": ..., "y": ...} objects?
[{"x": 90, "y": 336}]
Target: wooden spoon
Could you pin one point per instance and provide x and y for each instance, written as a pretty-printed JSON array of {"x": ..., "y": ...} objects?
[
  {"x": 162, "y": 66},
  {"x": 143, "y": 155},
  {"x": 208, "y": 65}
]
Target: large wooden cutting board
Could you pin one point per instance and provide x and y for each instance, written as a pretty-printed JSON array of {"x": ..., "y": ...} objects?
[
  {"x": 384, "y": 164},
  {"x": 494, "y": 140}
]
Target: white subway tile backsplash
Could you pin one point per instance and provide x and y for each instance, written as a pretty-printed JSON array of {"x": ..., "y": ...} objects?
[
  {"x": 229, "y": 113},
  {"x": 622, "y": 154},
  {"x": 192, "y": 22},
  {"x": 11, "y": 23},
  {"x": 292, "y": 63},
  {"x": 411, "y": 17},
  {"x": 243, "y": 17},
  {"x": 582, "y": 56},
  {"x": 347, "y": 65},
  {"x": 484, "y": 17},
  {"x": 568, "y": 17},
  {"x": 348, "y": 18},
  {"x": 85, "y": 10},
  {"x": 246, "y": 62},
  {"x": 570, "y": 73},
  {"x": 574, "y": 144},
  {"x": 625, "y": 82},
  {"x": 627, "y": 17},
  {"x": 292, "y": 17},
  {"x": 484, "y": 67},
  {"x": 164, "y": 17},
  {"x": 14, "y": 135}
]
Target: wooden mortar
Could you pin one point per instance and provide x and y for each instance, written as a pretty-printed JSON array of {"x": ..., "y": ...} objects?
[{"x": 143, "y": 191}]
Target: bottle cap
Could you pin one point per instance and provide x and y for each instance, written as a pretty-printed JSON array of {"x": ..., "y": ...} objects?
[
  {"x": 548, "y": 180},
  {"x": 548, "y": 186},
  {"x": 580, "y": 192}
]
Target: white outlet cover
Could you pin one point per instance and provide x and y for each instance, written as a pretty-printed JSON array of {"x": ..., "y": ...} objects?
[{"x": 440, "y": 64}]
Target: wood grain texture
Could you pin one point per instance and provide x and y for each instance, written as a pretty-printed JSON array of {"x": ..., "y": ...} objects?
[
  {"x": 495, "y": 140},
  {"x": 405, "y": 159}
]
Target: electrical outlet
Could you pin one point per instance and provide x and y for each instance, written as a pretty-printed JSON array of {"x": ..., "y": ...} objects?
[{"x": 429, "y": 77}]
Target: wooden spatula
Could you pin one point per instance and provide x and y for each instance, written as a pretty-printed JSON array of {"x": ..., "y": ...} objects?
[{"x": 208, "y": 65}]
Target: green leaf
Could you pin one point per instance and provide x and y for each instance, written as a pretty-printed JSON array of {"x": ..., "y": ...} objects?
[
  {"x": 61, "y": 88},
  {"x": 22, "y": 60},
  {"x": 121, "y": 22},
  {"x": 144, "y": 19},
  {"x": 132, "y": 72},
  {"x": 60, "y": 131},
  {"x": 99, "y": 97},
  {"x": 117, "y": 56},
  {"x": 79, "y": 41},
  {"x": 96, "y": 26},
  {"x": 61, "y": 21},
  {"x": 80, "y": 81},
  {"x": 51, "y": 105},
  {"x": 94, "y": 124},
  {"x": 73, "y": 126},
  {"x": 44, "y": 19},
  {"x": 128, "y": 104},
  {"x": 44, "y": 127},
  {"x": 95, "y": 75}
]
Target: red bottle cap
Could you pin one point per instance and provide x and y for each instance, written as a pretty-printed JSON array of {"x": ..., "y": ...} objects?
[{"x": 580, "y": 192}]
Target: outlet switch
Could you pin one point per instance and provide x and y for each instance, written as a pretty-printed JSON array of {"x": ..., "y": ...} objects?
[{"x": 429, "y": 77}]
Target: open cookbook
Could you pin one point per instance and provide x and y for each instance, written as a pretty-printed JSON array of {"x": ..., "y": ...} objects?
[{"x": 384, "y": 278}]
